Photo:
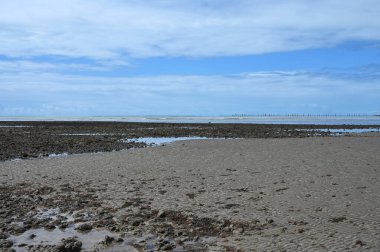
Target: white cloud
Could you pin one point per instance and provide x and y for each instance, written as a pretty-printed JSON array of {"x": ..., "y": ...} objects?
[
  {"x": 261, "y": 92},
  {"x": 45, "y": 67},
  {"x": 101, "y": 29}
]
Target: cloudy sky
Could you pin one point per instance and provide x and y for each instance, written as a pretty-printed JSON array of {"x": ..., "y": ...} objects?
[{"x": 189, "y": 57}]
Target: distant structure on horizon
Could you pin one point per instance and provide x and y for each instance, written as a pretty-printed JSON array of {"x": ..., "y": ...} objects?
[{"x": 303, "y": 115}]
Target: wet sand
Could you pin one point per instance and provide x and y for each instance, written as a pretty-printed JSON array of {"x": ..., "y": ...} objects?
[{"x": 285, "y": 194}]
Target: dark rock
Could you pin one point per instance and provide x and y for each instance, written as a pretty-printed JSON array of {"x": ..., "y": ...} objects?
[
  {"x": 6, "y": 243},
  {"x": 161, "y": 214},
  {"x": 49, "y": 227},
  {"x": 164, "y": 245},
  {"x": 108, "y": 239},
  {"x": 27, "y": 226},
  {"x": 86, "y": 227},
  {"x": 167, "y": 247},
  {"x": 190, "y": 195},
  {"x": 15, "y": 229},
  {"x": 282, "y": 189},
  {"x": 338, "y": 219},
  {"x": 3, "y": 236},
  {"x": 360, "y": 243},
  {"x": 228, "y": 206},
  {"x": 137, "y": 222},
  {"x": 63, "y": 225},
  {"x": 70, "y": 244},
  {"x": 127, "y": 204}
]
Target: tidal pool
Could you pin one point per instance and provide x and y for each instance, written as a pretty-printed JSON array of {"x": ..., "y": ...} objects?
[
  {"x": 54, "y": 237},
  {"x": 163, "y": 140}
]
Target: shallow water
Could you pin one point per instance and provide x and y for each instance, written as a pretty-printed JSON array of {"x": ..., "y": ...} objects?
[
  {"x": 343, "y": 131},
  {"x": 14, "y": 126},
  {"x": 89, "y": 240},
  {"x": 86, "y": 134},
  {"x": 58, "y": 155},
  {"x": 54, "y": 237},
  {"x": 49, "y": 213},
  {"x": 163, "y": 140},
  {"x": 352, "y": 130}
]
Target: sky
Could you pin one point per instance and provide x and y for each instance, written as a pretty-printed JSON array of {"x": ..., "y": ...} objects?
[{"x": 189, "y": 57}]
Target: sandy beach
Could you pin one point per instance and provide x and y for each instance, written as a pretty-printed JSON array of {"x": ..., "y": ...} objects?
[{"x": 285, "y": 194}]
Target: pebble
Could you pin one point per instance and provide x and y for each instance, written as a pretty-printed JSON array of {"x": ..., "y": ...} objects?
[
  {"x": 70, "y": 244},
  {"x": 360, "y": 243},
  {"x": 161, "y": 214},
  {"x": 137, "y": 222},
  {"x": 86, "y": 227},
  {"x": 49, "y": 227},
  {"x": 108, "y": 239},
  {"x": 238, "y": 231},
  {"x": 167, "y": 247}
]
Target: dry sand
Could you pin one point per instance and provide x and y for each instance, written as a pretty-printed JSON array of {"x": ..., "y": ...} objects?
[{"x": 295, "y": 194}]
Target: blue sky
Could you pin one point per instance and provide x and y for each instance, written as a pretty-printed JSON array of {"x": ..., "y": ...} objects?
[{"x": 182, "y": 57}]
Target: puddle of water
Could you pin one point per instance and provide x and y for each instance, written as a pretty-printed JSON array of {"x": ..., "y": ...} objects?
[
  {"x": 59, "y": 155},
  {"x": 55, "y": 213},
  {"x": 343, "y": 131},
  {"x": 50, "y": 213},
  {"x": 351, "y": 130},
  {"x": 43, "y": 236},
  {"x": 148, "y": 244},
  {"x": 54, "y": 237},
  {"x": 14, "y": 126},
  {"x": 163, "y": 140},
  {"x": 86, "y": 134},
  {"x": 91, "y": 241},
  {"x": 53, "y": 155}
]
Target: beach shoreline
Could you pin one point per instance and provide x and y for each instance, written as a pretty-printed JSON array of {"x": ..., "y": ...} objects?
[{"x": 33, "y": 139}]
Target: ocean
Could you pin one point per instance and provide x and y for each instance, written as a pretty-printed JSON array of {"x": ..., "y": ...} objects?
[{"x": 319, "y": 120}]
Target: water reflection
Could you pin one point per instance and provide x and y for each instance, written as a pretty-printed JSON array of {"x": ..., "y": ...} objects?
[{"x": 163, "y": 140}]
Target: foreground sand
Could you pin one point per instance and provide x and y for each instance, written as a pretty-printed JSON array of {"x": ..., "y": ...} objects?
[{"x": 295, "y": 194}]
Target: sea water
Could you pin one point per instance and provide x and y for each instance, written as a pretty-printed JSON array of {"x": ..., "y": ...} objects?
[{"x": 319, "y": 120}]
